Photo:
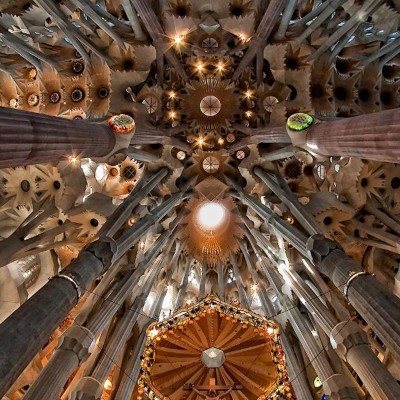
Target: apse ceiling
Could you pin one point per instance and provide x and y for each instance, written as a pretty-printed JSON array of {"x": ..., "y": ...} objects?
[{"x": 213, "y": 349}]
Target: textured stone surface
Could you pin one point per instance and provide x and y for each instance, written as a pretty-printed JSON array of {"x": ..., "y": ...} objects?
[
  {"x": 79, "y": 340},
  {"x": 87, "y": 389}
]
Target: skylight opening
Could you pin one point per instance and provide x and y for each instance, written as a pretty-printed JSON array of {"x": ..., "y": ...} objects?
[{"x": 211, "y": 215}]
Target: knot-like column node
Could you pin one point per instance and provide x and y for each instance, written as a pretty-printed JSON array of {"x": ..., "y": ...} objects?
[
  {"x": 346, "y": 335},
  {"x": 79, "y": 340}
]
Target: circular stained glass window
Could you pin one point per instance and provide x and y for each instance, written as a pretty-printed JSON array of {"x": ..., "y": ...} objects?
[
  {"x": 269, "y": 103},
  {"x": 210, "y": 106},
  {"x": 181, "y": 155},
  {"x": 151, "y": 104},
  {"x": 210, "y": 45},
  {"x": 211, "y": 164},
  {"x": 240, "y": 154}
]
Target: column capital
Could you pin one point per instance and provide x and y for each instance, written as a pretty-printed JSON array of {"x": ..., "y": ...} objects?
[
  {"x": 318, "y": 247},
  {"x": 104, "y": 249},
  {"x": 346, "y": 335},
  {"x": 121, "y": 123},
  {"x": 88, "y": 388},
  {"x": 79, "y": 340},
  {"x": 339, "y": 387}
]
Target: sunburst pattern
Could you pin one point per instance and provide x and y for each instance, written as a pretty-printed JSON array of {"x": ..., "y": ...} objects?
[{"x": 178, "y": 352}]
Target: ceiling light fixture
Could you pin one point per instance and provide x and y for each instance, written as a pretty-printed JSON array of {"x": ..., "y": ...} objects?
[{"x": 178, "y": 39}]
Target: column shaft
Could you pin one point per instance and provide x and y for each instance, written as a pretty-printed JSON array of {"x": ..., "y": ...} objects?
[
  {"x": 29, "y": 138},
  {"x": 27, "y": 330},
  {"x": 379, "y": 307},
  {"x": 202, "y": 288},
  {"x": 50, "y": 387},
  {"x": 374, "y": 136},
  {"x": 132, "y": 369},
  {"x": 182, "y": 287},
  {"x": 376, "y": 378},
  {"x": 380, "y": 383},
  {"x": 296, "y": 374}
]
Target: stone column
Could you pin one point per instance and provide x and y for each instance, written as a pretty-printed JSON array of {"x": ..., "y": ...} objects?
[
  {"x": 281, "y": 189},
  {"x": 265, "y": 301},
  {"x": 131, "y": 375},
  {"x": 337, "y": 386},
  {"x": 99, "y": 320},
  {"x": 352, "y": 345},
  {"x": 74, "y": 346},
  {"x": 120, "y": 335},
  {"x": 33, "y": 319},
  {"x": 30, "y": 138},
  {"x": 27, "y": 330},
  {"x": 221, "y": 280},
  {"x": 239, "y": 282},
  {"x": 114, "y": 344},
  {"x": 88, "y": 388},
  {"x": 132, "y": 369},
  {"x": 202, "y": 288},
  {"x": 374, "y": 136},
  {"x": 124, "y": 327},
  {"x": 296, "y": 373},
  {"x": 136, "y": 231},
  {"x": 350, "y": 342},
  {"x": 183, "y": 285},
  {"x": 379, "y": 307}
]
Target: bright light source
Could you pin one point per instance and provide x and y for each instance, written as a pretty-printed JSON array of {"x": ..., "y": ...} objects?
[
  {"x": 212, "y": 354},
  {"x": 248, "y": 94},
  {"x": 178, "y": 39},
  {"x": 210, "y": 215},
  {"x": 153, "y": 333},
  {"x": 220, "y": 67},
  {"x": 172, "y": 114},
  {"x": 220, "y": 141},
  {"x": 108, "y": 385},
  {"x": 248, "y": 114},
  {"x": 242, "y": 36},
  {"x": 200, "y": 141},
  {"x": 73, "y": 159},
  {"x": 200, "y": 67}
]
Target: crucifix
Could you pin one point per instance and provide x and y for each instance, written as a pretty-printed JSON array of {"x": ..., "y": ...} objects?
[{"x": 212, "y": 391}]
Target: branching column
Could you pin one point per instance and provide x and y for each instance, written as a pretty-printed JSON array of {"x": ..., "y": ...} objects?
[
  {"x": 202, "y": 288},
  {"x": 350, "y": 342},
  {"x": 296, "y": 373},
  {"x": 56, "y": 373},
  {"x": 132, "y": 369},
  {"x": 379, "y": 307},
  {"x": 183, "y": 285},
  {"x": 337, "y": 386},
  {"x": 25, "y": 332},
  {"x": 239, "y": 282}
]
